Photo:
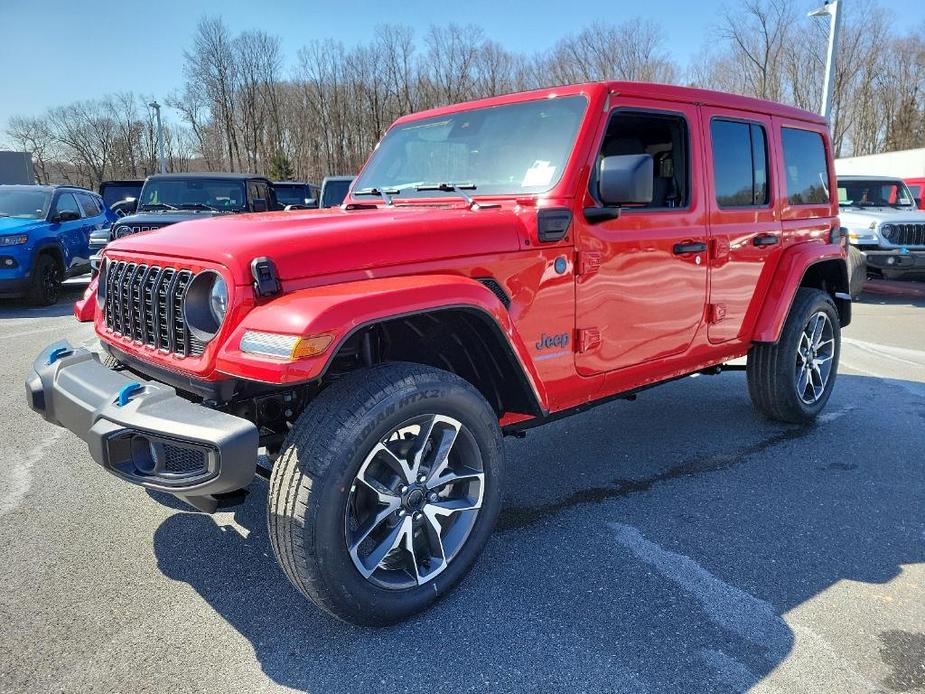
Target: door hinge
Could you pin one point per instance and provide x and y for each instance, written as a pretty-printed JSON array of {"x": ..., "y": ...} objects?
[
  {"x": 589, "y": 262},
  {"x": 588, "y": 339},
  {"x": 716, "y": 312}
]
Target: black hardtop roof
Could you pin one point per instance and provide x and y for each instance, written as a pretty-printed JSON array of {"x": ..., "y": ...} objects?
[{"x": 208, "y": 174}]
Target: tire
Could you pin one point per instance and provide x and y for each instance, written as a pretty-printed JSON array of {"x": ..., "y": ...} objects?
[
  {"x": 775, "y": 372},
  {"x": 857, "y": 272},
  {"x": 322, "y": 484},
  {"x": 110, "y": 362},
  {"x": 46, "y": 281}
]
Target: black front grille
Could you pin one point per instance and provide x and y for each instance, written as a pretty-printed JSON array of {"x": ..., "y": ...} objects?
[
  {"x": 906, "y": 234},
  {"x": 144, "y": 303}
]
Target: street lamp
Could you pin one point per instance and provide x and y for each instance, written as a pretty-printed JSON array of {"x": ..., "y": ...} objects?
[
  {"x": 833, "y": 10},
  {"x": 160, "y": 137}
]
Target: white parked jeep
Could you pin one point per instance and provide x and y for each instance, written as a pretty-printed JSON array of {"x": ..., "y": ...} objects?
[{"x": 880, "y": 215}]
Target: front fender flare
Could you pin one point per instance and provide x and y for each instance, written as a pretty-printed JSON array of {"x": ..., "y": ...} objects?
[
  {"x": 342, "y": 309},
  {"x": 788, "y": 278}
]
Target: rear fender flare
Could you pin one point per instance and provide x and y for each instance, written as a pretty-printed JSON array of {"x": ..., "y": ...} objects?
[
  {"x": 788, "y": 278},
  {"x": 341, "y": 310}
]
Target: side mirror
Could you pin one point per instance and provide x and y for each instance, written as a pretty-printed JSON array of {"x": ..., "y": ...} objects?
[
  {"x": 626, "y": 180},
  {"x": 260, "y": 205},
  {"x": 66, "y": 216},
  {"x": 311, "y": 202}
]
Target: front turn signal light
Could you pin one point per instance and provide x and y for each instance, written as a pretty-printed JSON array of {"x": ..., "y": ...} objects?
[
  {"x": 312, "y": 346},
  {"x": 288, "y": 347}
]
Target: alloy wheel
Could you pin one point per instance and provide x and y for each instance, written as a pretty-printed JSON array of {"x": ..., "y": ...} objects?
[
  {"x": 414, "y": 502},
  {"x": 815, "y": 356}
]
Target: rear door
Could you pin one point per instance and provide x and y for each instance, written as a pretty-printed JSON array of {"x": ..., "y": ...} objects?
[{"x": 744, "y": 217}]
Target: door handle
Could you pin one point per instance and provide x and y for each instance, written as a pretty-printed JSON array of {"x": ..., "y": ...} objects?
[
  {"x": 765, "y": 240},
  {"x": 689, "y": 247}
]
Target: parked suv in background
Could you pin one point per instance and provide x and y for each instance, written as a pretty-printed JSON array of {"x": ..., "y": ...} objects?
[
  {"x": 298, "y": 194},
  {"x": 884, "y": 223},
  {"x": 334, "y": 190},
  {"x": 44, "y": 238},
  {"x": 120, "y": 196},
  {"x": 166, "y": 199},
  {"x": 498, "y": 264}
]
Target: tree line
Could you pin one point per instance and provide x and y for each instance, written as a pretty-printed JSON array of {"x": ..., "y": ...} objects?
[{"x": 241, "y": 109}]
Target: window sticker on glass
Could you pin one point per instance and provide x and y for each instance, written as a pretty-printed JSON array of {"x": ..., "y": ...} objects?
[{"x": 540, "y": 174}]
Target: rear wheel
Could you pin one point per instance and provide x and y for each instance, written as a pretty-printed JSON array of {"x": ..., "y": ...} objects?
[
  {"x": 46, "y": 281},
  {"x": 386, "y": 491},
  {"x": 792, "y": 380}
]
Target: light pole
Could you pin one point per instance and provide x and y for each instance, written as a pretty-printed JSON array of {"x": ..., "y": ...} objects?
[
  {"x": 833, "y": 10},
  {"x": 160, "y": 137}
]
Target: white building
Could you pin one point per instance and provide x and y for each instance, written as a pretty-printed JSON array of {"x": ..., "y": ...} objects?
[{"x": 909, "y": 163}]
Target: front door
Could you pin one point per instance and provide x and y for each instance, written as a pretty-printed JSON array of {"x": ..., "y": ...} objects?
[{"x": 642, "y": 278}]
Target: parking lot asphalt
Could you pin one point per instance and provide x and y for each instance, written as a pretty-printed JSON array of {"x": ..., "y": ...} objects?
[{"x": 679, "y": 543}]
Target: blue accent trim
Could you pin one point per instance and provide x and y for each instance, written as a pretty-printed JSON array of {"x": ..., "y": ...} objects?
[
  {"x": 126, "y": 392},
  {"x": 57, "y": 354}
]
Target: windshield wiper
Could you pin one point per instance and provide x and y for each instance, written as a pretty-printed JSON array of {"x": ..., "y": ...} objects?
[
  {"x": 458, "y": 188},
  {"x": 158, "y": 206},
  {"x": 197, "y": 206},
  {"x": 384, "y": 193}
]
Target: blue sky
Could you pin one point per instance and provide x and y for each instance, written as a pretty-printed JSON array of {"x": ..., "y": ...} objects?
[{"x": 57, "y": 51}]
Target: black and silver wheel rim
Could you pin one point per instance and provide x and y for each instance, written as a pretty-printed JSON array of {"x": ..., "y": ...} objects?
[
  {"x": 414, "y": 502},
  {"x": 815, "y": 358},
  {"x": 50, "y": 280}
]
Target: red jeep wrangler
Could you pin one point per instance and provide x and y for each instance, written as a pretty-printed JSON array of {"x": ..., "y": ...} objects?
[{"x": 497, "y": 264}]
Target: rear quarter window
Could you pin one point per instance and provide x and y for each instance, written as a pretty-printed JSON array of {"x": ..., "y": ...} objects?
[{"x": 806, "y": 167}]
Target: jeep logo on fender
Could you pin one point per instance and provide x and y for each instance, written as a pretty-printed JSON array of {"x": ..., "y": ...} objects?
[{"x": 550, "y": 341}]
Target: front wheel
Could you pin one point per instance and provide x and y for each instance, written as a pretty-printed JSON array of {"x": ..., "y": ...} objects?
[
  {"x": 46, "y": 281},
  {"x": 386, "y": 491},
  {"x": 792, "y": 380}
]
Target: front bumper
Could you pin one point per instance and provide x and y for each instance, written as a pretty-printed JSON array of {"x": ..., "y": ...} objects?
[
  {"x": 896, "y": 262},
  {"x": 142, "y": 431}
]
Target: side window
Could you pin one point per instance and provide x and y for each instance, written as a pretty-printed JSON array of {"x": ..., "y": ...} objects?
[
  {"x": 807, "y": 167},
  {"x": 740, "y": 163},
  {"x": 66, "y": 203},
  {"x": 253, "y": 192},
  {"x": 89, "y": 205},
  {"x": 662, "y": 135}
]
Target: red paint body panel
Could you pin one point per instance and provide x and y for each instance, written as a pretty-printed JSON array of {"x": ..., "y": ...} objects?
[
  {"x": 621, "y": 309},
  {"x": 917, "y": 185}
]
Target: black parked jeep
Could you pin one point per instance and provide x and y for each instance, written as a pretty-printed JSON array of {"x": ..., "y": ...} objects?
[{"x": 170, "y": 198}]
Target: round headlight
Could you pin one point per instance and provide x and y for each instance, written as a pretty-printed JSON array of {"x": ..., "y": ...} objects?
[
  {"x": 218, "y": 300},
  {"x": 887, "y": 230},
  {"x": 205, "y": 305}
]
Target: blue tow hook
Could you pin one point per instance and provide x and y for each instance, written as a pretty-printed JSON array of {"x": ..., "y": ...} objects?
[
  {"x": 126, "y": 392},
  {"x": 57, "y": 354}
]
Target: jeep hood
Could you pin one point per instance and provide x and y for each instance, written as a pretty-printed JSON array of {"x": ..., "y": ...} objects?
[
  {"x": 165, "y": 217},
  {"x": 881, "y": 215},
  {"x": 324, "y": 242}
]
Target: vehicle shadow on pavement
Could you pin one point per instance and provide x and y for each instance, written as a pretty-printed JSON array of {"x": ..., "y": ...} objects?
[
  {"x": 20, "y": 308},
  {"x": 640, "y": 548}
]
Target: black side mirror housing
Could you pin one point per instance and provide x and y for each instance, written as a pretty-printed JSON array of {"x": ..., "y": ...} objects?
[
  {"x": 260, "y": 205},
  {"x": 626, "y": 180},
  {"x": 66, "y": 216}
]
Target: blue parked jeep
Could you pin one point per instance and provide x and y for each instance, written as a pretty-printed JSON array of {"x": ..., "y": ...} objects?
[{"x": 44, "y": 238}]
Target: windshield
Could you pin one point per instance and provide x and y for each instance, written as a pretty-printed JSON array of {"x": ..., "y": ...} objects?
[
  {"x": 24, "y": 204},
  {"x": 288, "y": 194},
  {"x": 335, "y": 192},
  {"x": 193, "y": 194},
  {"x": 500, "y": 150},
  {"x": 874, "y": 193},
  {"x": 115, "y": 192}
]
